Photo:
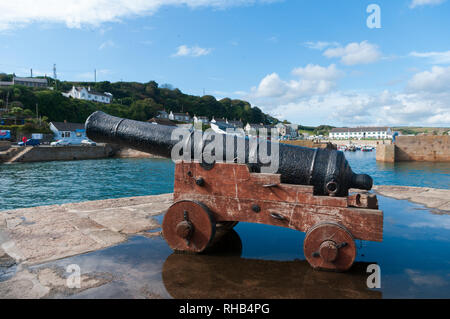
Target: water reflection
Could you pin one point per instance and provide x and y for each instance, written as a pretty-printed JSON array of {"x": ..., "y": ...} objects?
[{"x": 222, "y": 273}]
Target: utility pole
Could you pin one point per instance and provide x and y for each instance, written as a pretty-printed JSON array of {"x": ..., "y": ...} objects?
[{"x": 54, "y": 76}]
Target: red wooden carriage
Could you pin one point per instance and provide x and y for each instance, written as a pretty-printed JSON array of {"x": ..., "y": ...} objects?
[{"x": 211, "y": 199}]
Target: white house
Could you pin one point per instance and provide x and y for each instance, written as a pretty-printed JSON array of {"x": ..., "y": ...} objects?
[
  {"x": 282, "y": 129},
  {"x": 163, "y": 115},
  {"x": 361, "y": 132},
  {"x": 202, "y": 119},
  {"x": 87, "y": 94},
  {"x": 254, "y": 129},
  {"x": 180, "y": 117},
  {"x": 71, "y": 132}
]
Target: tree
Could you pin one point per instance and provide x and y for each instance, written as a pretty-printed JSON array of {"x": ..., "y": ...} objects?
[
  {"x": 17, "y": 112},
  {"x": 28, "y": 113}
]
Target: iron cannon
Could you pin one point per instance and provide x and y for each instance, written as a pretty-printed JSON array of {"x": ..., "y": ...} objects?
[
  {"x": 327, "y": 170},
  {"x": 308, "y": 191}
]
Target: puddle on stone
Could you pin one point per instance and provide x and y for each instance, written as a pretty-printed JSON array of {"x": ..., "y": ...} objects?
[{"x": 260, "y": 261}]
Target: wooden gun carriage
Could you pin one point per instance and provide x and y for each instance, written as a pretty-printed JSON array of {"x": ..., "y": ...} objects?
[{"x": 209, "y": 198}]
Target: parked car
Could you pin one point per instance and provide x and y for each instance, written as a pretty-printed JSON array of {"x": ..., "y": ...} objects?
[
  {"x": 88, "y": 142},
  {"x": 30, "y": 142},
  {"x": 60, "y": 143}
]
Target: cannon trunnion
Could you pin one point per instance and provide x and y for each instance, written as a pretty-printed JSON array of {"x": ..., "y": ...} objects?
[{"x": 207, "y": 201}]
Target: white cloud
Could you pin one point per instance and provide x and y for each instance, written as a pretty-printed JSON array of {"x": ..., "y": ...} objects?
[
  {"x": 418, "y": 3},
  {"x": 317, "y": 72},
  {"x": 107, "y": 44},
  {"x": 434, "y": 57},
  {"x": 355, "y": 53},
  {"x": 78, "y": 13},
  {"x": 437, "y": 80},
  {"x": 195, "y": 51},
  {"x": 425, "y": 101},
  {"x": 320, "y": 45},
  {"x": 357, "y": 108},
  {"x": 312, "y": 79}
]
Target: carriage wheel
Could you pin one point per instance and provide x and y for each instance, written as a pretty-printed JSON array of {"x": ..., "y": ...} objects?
[
  {"x": 188, "y": 226},
  {"x": 329, "y": 245}
]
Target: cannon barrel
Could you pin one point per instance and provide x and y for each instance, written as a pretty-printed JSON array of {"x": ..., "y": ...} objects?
[{"x": 327, "y": 170}]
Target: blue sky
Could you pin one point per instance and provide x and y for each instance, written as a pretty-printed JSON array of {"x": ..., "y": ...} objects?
[{"x": 310, "y": 62}]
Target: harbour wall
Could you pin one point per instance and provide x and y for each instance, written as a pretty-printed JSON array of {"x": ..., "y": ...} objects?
[
  {"x": 416, "y": 148},
  {"x": 373, "y": 143},
  {"x": 310, "y": 144},
  {"x": 60, "y": 153},
  {"x": 4, "y": 145}
]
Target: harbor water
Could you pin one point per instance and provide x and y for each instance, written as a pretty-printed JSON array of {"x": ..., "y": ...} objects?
[
  {"x": 413, "y": 258},
  {"x": 48, "y": 183}
]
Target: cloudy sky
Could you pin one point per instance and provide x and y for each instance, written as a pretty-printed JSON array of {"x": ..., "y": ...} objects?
[{"x": 310, "y": 62}]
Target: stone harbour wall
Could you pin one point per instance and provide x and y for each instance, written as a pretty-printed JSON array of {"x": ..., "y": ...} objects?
[
  {"x": 416, "y": 148},
  {"x": 423, "y": 148},
  {"x": 63, "y": 153}
]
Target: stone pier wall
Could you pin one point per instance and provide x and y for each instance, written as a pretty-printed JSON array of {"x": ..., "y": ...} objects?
[
  {"x": 386, "y": 153},
  {"x": 423, "y": 148},
  {"x": 65, "y": 153},
  {"x": 416, "y": 148}
]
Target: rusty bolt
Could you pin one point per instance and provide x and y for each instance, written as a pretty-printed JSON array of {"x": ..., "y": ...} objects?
[
  {"x": 256, "y": 208},
  {"x": 184, "y": 229},
  {"x": 200, "y": 181},
  {"x": 328, "y": 251}
]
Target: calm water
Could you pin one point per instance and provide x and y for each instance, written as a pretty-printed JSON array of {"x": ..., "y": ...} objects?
[
  {"x": 36, "y": 184},
  {"x": 264, "y": 261},
  {"x": 47, "y": 183},
  {"x": 420, "y": 174}
]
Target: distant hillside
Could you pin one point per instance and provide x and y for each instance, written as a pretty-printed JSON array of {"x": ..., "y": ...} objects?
[
  {"x": 139, "y": 101},
  {"x": 410, "y": 130}
]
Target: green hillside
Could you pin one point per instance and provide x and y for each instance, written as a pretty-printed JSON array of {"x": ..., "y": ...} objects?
[{"x": 139, "y": 101}]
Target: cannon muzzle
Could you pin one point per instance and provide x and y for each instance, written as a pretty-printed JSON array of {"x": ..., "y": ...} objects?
[{"x": 327, "y": 170}]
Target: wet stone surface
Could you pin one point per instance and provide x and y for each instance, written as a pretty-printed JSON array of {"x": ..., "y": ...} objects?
[
  {"x": 39, "y": 234},
  {"x": 437, "y": 199},
  {"x": 254, "y": 261}
]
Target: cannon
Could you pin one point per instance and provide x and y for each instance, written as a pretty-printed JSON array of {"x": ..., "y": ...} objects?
[{"x": 309, "y": 191}]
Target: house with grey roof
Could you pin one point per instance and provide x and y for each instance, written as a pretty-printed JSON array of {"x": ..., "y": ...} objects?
[
  {"x": 72, "y": 132},
  {"x": 341, "y": 133},
  {"x": 87, "y": 94},
  {"x": 30, "y": 82}
]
